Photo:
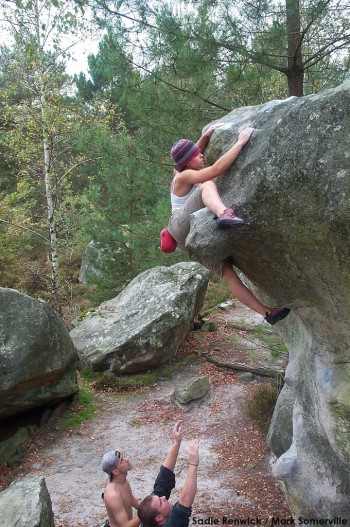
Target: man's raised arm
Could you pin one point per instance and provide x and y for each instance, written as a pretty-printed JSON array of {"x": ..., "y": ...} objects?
[
  {"x": 170, "y": 460},
  {"x": 190, "y": 486}
]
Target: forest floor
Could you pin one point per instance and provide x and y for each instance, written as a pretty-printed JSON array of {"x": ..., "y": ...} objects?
[{"x": 235, "y": 484}]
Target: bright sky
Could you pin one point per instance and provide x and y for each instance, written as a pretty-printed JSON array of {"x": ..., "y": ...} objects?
[{"x": 80, "y": 53}]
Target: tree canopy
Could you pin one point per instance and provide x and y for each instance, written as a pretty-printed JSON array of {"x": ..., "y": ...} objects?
[{"x": 304, "y": 41}]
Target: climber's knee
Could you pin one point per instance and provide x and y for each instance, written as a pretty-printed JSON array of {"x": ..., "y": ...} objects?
[
  {"x": 227, "y": 271},
  {"x": 208, "y": 186}
]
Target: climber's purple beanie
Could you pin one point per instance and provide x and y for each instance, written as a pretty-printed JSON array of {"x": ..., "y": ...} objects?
[{"x": 183, "y": 151}]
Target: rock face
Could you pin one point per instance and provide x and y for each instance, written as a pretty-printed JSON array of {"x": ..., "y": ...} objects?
[
  {"x": 90, "y": 265},
  {"x": 146, "y": 323},
  {"x": 291, "y": 183},
  {"x": 26, "y": 503},
  {"x": 13, "y": 448},
  {"x": 37, "y": 356},
  {"x": 280, "y": 434}
]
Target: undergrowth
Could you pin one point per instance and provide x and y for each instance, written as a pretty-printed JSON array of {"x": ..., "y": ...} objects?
[
  {"x": 271, "y": 341},
  {"x": 217, "y": 292},
  {"x": 90, "y": 383},
  {"x": 82, "y": 409},
  {"x": 261, "y": 405},
  {"x": 129, "y": 383}
]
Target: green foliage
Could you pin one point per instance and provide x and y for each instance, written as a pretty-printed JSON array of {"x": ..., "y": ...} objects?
[
  {"x": 37, "y": 126},
  {"x": 217, "y": 292},
  {"x": 129, "y": 383},
  {"x": 129, "y": 194},
  {"x": 271, "y": 341},
  {"x": 136, "y": 424},
  {"x": 82, "y": 410},
  {"x": 261, "y": 405},
  {"x": 191, "y": 45}
]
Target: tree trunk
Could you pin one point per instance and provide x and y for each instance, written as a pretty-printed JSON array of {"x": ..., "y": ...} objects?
[
  {"x": 48, "y": 175},
  {"x": 295, "y": 78},
  {"x": 50, "y": 203},
  {"x": 295, "y": 73}
]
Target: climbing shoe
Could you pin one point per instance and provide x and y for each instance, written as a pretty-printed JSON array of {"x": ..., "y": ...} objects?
[
  {"x": 278, "y": 313},
  {"x": 228, "y": 219}
]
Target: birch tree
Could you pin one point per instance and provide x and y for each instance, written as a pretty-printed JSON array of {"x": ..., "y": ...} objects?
[{"x": 38, "y": 119}]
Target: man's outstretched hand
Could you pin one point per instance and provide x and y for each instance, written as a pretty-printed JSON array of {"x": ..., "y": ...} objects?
[
  {"x": 189, "y": 488},
  {"x": 177, "y": 431},
  {"x": 171, "y": 458}
]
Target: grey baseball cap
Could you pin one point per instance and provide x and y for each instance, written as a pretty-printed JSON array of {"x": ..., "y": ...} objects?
[{"x": 110, "y": 461}]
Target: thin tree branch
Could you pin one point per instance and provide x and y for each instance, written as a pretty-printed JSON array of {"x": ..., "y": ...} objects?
[
  {"x": 26, "y": 229},
  {"x": 121, "y": 15},
  {"x": 325, "y": 51},
  {"x": 171, "y": 85},
  {"x": 72, "y": 168}
]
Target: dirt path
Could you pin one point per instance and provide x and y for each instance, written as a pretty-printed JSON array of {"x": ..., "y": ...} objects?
[{"x": 234, "y": 474}]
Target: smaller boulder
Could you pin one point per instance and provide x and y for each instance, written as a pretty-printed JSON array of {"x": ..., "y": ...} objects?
[
  {"x": 246, "y": 376},
  {"x": 26, "y": 503},
  {"x": 13, "y": 449},
  {"x": 191, "y": 390},
  {"x": 91, "y": 263},
  {"x": 146, "y": 323}
]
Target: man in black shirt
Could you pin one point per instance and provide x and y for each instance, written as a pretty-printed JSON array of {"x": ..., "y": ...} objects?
[{"x": 156, "y": 510}]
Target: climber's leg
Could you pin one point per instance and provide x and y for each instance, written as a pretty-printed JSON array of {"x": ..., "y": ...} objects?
[
  {"x": 211, "y": 198},
  {"x": 244, "y": 295},
  {"x": 225, "y": 216},
  {"x": 241, "y": 292}
]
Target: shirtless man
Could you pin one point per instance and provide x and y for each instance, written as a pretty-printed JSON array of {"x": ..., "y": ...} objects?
[{"x": 118, "y": 497}]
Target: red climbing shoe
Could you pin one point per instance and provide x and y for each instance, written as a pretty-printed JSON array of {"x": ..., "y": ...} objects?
[
  {"x": 228, "y": 219},
  {"x": 278, "y": 313}
]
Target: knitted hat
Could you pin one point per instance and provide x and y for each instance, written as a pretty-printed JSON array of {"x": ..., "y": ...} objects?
[{"x": 183, "y": 151}]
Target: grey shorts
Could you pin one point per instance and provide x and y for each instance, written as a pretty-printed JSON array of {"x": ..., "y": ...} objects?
[
  {"x": 179, "y": 223},
  {"x": 179, "y": 226}
]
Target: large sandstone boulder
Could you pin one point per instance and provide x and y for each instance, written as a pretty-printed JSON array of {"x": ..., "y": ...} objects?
[
  {"x": 37, "y": 356},
  {"x": 146, "y": 323},
  {"x": 26, "y": 503},
  {"x": 291, "y": 183}
]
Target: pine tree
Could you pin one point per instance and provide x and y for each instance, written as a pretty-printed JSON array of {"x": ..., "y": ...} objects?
[{"x": 295, "y": 39}]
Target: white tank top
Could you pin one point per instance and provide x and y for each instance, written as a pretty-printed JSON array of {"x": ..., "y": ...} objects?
[{"x": 179, "y": 201}]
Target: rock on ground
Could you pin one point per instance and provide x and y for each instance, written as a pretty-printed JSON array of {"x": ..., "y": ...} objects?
[{"x": 26, "y": 503}]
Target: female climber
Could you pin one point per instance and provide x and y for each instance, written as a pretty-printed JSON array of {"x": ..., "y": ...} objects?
[{"x": 192, "y": 189}]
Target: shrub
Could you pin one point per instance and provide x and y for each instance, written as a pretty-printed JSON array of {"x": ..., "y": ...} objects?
[{"x": 261, "y": 405}]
